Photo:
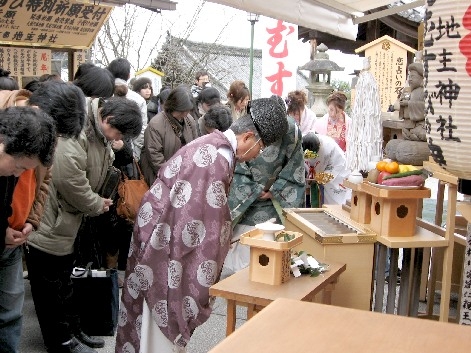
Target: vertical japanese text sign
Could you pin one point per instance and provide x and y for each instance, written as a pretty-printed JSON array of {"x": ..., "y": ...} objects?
[
  {"x": 25, "y": 61},
  {"x": 278, "y": 58},
  {"x": 447, "y": 75},
  {"x": 447, "y": 82},
  {"x": 80, "y": 57}
]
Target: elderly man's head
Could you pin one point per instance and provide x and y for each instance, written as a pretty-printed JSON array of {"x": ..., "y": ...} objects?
[{"x": 265, "y": 123}]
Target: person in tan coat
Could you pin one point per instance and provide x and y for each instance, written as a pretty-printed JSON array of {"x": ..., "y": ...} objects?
[
  {"x": 80, "y": 168},
  {"x": 167, "y": 132}
]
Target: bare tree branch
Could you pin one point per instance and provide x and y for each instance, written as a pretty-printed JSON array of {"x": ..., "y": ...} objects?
[{"x": 131, "y": 33}]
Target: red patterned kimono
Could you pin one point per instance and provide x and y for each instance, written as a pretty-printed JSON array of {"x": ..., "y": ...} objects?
[{"x": 181, "y": 238}]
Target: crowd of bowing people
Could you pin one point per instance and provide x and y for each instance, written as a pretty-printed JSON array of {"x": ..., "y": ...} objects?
[{"x": 259, "y": 145}]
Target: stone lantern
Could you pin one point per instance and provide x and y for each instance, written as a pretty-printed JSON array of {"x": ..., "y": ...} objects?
[{"x": 319, "y": 86}]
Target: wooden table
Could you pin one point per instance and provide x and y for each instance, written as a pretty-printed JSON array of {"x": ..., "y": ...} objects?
[
  {"x": 295, "y": 326},
  {"x": 408, "y": 303},
  {"x": 238, "y": 289}
]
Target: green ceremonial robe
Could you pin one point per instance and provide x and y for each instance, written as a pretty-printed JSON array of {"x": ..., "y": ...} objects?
[{"x": 282, "y": 160}]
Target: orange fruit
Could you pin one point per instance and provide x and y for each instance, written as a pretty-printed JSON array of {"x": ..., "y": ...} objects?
[
  {"x": 381, "y": 166},
  {"x": 392, "y": 167}
]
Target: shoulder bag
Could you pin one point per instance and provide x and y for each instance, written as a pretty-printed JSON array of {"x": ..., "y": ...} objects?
[{"x": 130, "y": 194}]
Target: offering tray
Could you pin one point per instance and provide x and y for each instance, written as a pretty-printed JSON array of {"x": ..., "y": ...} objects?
[
  {"x": 328, "y": 225},
  {"x": 255, "y": 238},
  {"x": 393, "y": 193}
]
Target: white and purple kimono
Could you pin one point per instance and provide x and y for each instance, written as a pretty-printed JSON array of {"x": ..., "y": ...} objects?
[{"x": 181, "y": 238}]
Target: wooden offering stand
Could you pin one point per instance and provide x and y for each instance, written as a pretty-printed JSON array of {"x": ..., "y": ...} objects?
[
  {"x": 270, "y": 260},
  {"x": 396, "y": 230},
  {"x": 393, "y": 211},
  {"x": 330, "y": 235},
  {"x": 360, "y": 204}
]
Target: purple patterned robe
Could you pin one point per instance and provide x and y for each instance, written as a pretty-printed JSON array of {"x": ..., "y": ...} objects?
[{"x": 181, "y": 238}]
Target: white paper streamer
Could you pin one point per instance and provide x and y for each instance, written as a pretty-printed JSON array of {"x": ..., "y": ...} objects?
[{"x": 365, "y": 137}]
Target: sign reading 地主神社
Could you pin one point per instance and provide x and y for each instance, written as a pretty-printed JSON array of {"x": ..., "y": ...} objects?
[
  {"x": 447, "y": 90},
  {"x": 50, "y": 23},
  {"x": 278, "y": 60}
]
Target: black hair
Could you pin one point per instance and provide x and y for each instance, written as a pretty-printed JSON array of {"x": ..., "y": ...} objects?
[
  {"x": 163, "y": 95},
  {"x": 200, "y": 73},
  {"x": 50, "y": 77},
  {"x": 209, "y": 95},
  {"x": 82, "y": 69},
  {"x": 28, "y": 132},
  {"x": 7, "y": 83},
  {"x": 311, "y": 142},
  {"x": 65, "y": 103},
  {"x": 120, "y": 68},
  {"x": 123, "y": 114},
  {"x": 32, "y": 85},
  {"x": 179, "y": 100},
  {"x": 94, "y": 81},
  {"x": 218, "y": 117},
  {"x": 163, "y": 88},
  {"x": 142, "y": 82}
]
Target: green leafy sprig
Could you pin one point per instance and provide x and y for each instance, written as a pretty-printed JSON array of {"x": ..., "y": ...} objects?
[
  {"x": 282, "y": 236},
  {"x": 312, "y": 272}
]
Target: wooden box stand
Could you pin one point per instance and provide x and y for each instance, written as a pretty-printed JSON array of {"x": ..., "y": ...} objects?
[
  {"x": 360, "y": 204},
  {"x": 394, "y": 211},
  {"x": 270, "y": 261},
  {"x": 344, "y": 241}
]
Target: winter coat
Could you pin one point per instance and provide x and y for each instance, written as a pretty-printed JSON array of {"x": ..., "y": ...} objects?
[
  {"x": 80, "y": 168},
  {"x": 161, "y": 142}
]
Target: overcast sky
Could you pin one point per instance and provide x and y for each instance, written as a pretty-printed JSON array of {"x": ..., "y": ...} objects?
[{"x": 228, "y": 26}]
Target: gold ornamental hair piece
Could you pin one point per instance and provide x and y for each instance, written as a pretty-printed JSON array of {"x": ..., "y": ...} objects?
[{"x": 323, "y": 178}]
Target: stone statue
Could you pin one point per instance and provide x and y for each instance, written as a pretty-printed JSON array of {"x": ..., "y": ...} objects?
[
  {"x": 412, "y": 148},
  {"x": 412, "y": 108}
]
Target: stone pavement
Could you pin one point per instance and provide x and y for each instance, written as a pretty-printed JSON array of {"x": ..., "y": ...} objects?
[{"x": 204, "y": 338}]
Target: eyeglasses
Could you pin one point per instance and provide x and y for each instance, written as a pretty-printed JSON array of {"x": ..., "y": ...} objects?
[
  {"x": 255, "y": 144},
  {"x": 250, "y": 149}
]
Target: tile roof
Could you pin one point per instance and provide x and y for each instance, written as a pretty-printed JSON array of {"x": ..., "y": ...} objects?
[
  {"x": 416, "y": 14},
  {"x": 225, "y": 64}
]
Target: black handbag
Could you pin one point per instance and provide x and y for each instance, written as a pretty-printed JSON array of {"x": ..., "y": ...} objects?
[
  {"x": 110, "y": 185},
  {"x": 97, "y": 299}
]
